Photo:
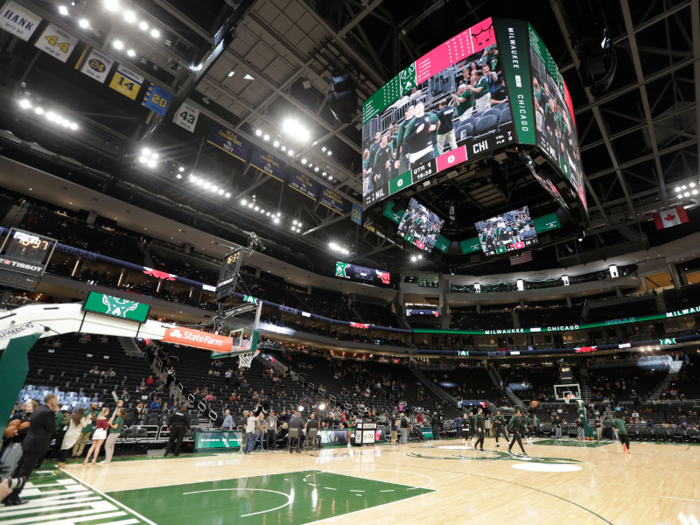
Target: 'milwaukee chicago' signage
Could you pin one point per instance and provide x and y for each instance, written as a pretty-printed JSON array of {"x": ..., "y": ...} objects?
[{"x": 566, "y": 328}]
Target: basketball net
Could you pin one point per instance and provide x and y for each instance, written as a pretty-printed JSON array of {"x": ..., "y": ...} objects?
[
  {"x": 568, "y": 398},
  {"x": 246, "y": 360}
]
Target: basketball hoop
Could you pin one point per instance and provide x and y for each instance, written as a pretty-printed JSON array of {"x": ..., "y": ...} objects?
[
  {"x": 245, "y": 360},
  {"x": 568, "y": 398}
]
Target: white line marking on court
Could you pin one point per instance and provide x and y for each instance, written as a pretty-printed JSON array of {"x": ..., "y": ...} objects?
[
  {"x": 44, "y": 471},
  {"x": 329, "y": 488},
  {"x": 682, "y": 499},
  {"x": 109, "y": 498},
  {"x": 289, "y": 498},
  {"x": 382, "y": 470},
  {"x": 351, "y": 490},
  {"x": 386, "y": 490}
]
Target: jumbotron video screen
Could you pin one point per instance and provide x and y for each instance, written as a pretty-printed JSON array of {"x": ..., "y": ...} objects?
[
  {"x": 510, "y": 231},
  {"x": 450, "y": 106},
  {"x": 420, "y": 226}
]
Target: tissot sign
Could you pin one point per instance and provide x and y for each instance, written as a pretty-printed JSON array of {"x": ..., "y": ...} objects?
[{"x": 198, "y": 339}]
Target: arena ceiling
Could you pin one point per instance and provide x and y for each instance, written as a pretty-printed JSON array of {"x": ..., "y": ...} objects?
[{"x": 254, "y": 64}]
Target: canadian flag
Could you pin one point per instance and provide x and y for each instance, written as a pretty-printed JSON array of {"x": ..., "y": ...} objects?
[{"x": 670, "y": 218}]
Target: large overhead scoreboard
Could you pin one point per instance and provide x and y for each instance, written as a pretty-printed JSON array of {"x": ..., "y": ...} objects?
[{"x": 490, "y": 88}]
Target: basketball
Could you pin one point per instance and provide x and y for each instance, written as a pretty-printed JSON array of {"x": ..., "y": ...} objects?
[
  {"x": 10, "y": 432},
  {"x": 534, "y": 403},
  {"x": 24, "y": 425},
  {"x": 14, "y": 423}
]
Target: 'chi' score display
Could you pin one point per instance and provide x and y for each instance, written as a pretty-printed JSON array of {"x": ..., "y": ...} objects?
[{"x": 492, "y": 86}]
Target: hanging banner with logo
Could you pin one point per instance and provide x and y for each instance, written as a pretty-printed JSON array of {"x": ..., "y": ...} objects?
[
  {"x": 231, "y": 142},
  {"x": 116, "y": 307},
  {"x": 303, "y": 183},
  {"x": 442, "y": 243},
  {"x": 18, "y": 20},
  {"x": 186, "y": 117},
  {"x": 268, "y": 163},
  {"x": 332, "y": 200},
  {"x": 356, "y": 216},
  {"x": 126, "y": 82},
  {"x": 57, "y": 42},
  {"x": 94, "y": 64},
  {"x": 157, "y": 100},
  {"x": 204, "y": 340},
  {"x": 470, "y": 245}
]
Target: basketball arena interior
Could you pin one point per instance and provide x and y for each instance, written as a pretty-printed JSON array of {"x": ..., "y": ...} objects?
[{"x": 331, "y": 261}]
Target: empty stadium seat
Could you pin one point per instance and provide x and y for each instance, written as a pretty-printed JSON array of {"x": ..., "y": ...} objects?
[{"x": 486, "y": 126}]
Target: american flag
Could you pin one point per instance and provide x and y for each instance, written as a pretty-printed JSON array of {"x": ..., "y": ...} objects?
[{"x": 524, "y": 257}]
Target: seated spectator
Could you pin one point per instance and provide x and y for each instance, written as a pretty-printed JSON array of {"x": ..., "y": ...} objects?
[
  {"x": 155, "y": 405},
  {"x": 125, "y": 396},
  {"x": 111, "y": 374},
  {"x": 150, "y": 380},
  {"x": 95, "y": 371}
]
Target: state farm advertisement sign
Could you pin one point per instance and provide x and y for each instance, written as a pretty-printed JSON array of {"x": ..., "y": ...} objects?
[{"x": 198, "y": 339}]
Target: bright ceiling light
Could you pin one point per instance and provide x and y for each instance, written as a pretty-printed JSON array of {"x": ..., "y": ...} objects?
[
  {"x": 290, "y": 153},
  {"x": 316, "y": 169},
  {"x": 277, "y": 221},
  {"x": 250, "y": 205},
  {"x": 294, "y": 223},
  {"x": 692, "y": 184},
  {"x": 74, "y": 126},
  {"x": 303, "y": 161},
  {"x": 228, "y": 195},
  {"x": 413, "y": 258},
  {"x": 243, "y": 202},
  {"x": 146, "y": 152},
  {"x": 695, "y": 192},
  {"x": 266, "y": 137},
  {"x": 678, "y": 189},
  {"x": 24, "y": 103},
  {"x": 687, "y": 194},
  {"x": 330, "y": 178},
  {"x": 214, "y": 189},
  {"x": 178, "y": 176},
  {"x": 200, "y": 182},
  {"x": 39, "y": 111},
  {"x": 181, "y": 169},
  {"x": 323, "y": 148},
  {"x": 257, "y": 208},
  {"x": 130, "y": 17},
  {"x": 231, "y": 73},
  {"x": 329, "y": 152},
  {"x": 155, "y": 156},
  {"x": 684, "y": 187},
  {"x": 131, "y": 53},
  {"x": 258, "y": 132},
  {"x": 248, "y": 77},
  {"x": 284, "y": 148},
  {"x": 143, "y": 26},
  {"x": 151, "y": 163},
  {"x": 333, "y": 246},
  {"x": 118, "y": 44},
  {"x": 300, "y": 225},
  {"x": 420, "y": 256},
  {"x": 155, "y": 33},
  {"x": 62, "y": 10},
  {"x": 144, "y": 160},
  {"x": 276, "y": 144},
  {"x": 207, "y": 185},
  {"x": 324, "y": 174},
  {"x": 84, "y": 23},
  {"x": 112, "y": 5}
]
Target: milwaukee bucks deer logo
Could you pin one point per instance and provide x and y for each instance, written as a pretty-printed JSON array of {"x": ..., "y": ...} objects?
[{"x": 118, "y": 307}]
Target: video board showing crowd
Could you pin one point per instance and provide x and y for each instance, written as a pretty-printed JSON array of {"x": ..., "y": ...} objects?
[
  {"x": 420, "y": 226},
  {"x": 555, "y": 127},
  {"x": 510, "y": 231},
  {"x": 449, "y": 107}
]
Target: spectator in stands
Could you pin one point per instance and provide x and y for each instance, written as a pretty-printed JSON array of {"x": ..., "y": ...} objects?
[
  {"x": 103, "y": 339},
  {"x": 101, "y": 425},
  {"x": 150, "y": 381},
  {"x": 116, "y": 422},
  {"x": 111, "y": 374},
  {"x": 125, "y": 396},
  {"x": 228, "y": 375},
  {"x": 77, "y": 423},
  {"x": 95, "y": 371},
  {"x": 155, "y": 405},
  {"x": 140, "y": 412}
]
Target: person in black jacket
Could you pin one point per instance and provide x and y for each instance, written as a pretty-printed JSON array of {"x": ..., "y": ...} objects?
[
  {"x": 41, "y": 426},
  {"x": 435, "y": 423},
  {"x": 479, "y": 431},
  {"x": 178, "y": 425}
]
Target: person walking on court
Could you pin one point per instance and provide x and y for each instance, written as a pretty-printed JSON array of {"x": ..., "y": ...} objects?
[
  {"x": 480, "y": 431},
  {"x": 619, "y": 426},
  {"x": 98, "y": 437},
  {"x": 498, "y": 427},
  {"x": 41, "y": 425},
  {"x": 115, "y": 425},
  {"x": 179, "y": 424},
  {"x": 516, "y": 427},
  {"x": 404, "y": 429}
]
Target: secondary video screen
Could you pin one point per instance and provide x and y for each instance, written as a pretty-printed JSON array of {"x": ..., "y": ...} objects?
[
  {"x": 513, "y": 230},
  {"x": 420, "y": 226}
]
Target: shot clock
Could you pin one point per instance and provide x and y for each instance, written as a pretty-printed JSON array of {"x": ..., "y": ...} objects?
[
  {"x": 23, "y": 258},
  {"x": 228, "y": 277}
]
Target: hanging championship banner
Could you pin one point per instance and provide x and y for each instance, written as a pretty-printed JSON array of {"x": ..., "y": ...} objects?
[
  {"x": 18, "y": 20},
  {"x": 57, "y": 42},
  {"x": 94, "y": 64},
  {"x": 231, "y": 142},
  {"x": 356, "y": 216},
  {"x": 186, "y": 117},
  {"x": 126, "y": 82},
  {"x": 332, "y": 200},
  {"x": 157, "y": 100},
  {"x": 303, "y": 183},
  {"x": 268, "y": 163}
]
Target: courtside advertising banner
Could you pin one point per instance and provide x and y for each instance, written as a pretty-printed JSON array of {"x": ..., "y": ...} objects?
[{"x": 204, "y": 340}]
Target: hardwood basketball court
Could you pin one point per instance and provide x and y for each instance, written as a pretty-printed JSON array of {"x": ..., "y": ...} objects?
[{"x": 561, "y": 482}]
